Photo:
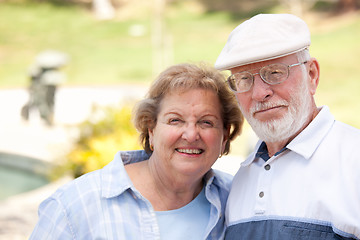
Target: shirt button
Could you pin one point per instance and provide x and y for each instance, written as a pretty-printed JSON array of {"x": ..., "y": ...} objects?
[
  {"x": 261, "y": 194},
  {"x": 267, "y": 167}
]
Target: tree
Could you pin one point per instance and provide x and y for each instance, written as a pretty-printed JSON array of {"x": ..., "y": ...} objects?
[
  {"x": 161, "y": 39},
  {"x": 348, "y": 5}
]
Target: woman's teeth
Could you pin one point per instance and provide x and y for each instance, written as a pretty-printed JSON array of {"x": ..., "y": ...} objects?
[{"x": 190, "y": 151}]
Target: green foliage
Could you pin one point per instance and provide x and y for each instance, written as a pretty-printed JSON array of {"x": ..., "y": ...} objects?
[
  {"x": 100, "y": 51},
  {"x": 338, "y": 50},
  {"x": 99, "y": 140},
  {"x": 325, "y": 5},
  {"x": 105, "y": 52}
]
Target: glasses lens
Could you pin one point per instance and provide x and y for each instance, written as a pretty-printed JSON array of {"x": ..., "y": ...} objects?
[
  {"x": 274, "y": 73},
  {"x": 240, "y": 82},
  {"x": 232, "y": 83}
]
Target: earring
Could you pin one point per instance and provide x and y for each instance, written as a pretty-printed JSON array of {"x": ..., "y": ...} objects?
[{"x": 151, "y": 147}]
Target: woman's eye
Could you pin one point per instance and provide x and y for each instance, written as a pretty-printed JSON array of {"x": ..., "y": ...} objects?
[
  {"x": 174, "y": 120},
  {"x": 207, "y": 123}
]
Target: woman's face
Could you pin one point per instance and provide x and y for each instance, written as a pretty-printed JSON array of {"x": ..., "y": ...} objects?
[{"x": 189, "y": 134}]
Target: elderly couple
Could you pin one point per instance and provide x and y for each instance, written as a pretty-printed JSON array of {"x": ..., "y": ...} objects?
[{"x": 301, "y": 182}]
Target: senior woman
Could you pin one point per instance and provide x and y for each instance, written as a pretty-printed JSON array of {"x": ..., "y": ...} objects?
[{"x": 168, "y": 190}]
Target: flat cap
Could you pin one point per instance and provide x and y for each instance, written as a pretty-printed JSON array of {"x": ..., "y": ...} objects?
[{"x": 264, "y": 37}]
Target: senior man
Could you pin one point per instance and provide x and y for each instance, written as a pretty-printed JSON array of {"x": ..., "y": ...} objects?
[{"x": 303, "y": 179}]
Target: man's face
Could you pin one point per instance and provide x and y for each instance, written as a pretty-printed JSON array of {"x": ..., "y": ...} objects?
[{"x": 277, "y": 112}]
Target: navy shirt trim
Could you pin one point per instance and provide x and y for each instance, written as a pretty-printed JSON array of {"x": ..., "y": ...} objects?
[{"x": 263, "y": 152}]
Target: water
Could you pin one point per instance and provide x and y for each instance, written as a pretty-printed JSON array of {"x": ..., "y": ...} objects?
[{"x": 20, "y": 174}]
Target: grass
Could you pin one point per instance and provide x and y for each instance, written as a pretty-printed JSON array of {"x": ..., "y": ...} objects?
[
  {"x": 104, "y": 52},
  {"x": 338, "y": 51},
  {"x": 101, "y": 52}
]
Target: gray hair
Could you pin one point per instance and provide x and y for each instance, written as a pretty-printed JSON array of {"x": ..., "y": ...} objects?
[{"x": 303, "y": 56}]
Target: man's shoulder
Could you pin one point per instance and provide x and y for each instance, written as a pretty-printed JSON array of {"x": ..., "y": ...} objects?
[{"x": 347, "y": 129}]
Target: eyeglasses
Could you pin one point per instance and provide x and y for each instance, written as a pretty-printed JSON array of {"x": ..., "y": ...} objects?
[{"x": 271, "y": 74}]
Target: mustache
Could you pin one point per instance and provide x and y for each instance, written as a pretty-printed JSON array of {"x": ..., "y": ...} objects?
[{"x": 261, "y": 106}]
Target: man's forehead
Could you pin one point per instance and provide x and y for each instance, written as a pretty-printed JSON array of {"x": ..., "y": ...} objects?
[{"x": 257, "y": 65}]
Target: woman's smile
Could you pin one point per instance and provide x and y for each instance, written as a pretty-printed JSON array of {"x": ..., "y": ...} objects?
[{"x": 192, "y": 151}]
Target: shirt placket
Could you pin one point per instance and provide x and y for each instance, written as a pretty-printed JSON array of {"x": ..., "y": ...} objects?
[
  {"x": 148, "y": 225},
  {"x": 263, "y": 187}
]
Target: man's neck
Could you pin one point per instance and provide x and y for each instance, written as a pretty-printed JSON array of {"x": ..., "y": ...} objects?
[{"x": 275, "y": 147}]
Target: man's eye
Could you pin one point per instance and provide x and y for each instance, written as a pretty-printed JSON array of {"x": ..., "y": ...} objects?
[
  {"x": 244, "y": 77},
  {"x": 276, "y": 72}
]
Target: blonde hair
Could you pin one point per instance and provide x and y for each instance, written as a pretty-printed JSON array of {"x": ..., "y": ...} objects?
[{"x": 185, "y": 77}]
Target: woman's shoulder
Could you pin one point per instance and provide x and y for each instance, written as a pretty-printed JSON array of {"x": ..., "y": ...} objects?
[
  {"x": 222, "y": 179},
  {"x": 112, "y": 177},
  {"x": 88, "y": 183}
]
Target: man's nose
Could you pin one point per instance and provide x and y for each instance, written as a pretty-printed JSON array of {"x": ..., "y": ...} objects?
[{"x": 261, "y": 90}]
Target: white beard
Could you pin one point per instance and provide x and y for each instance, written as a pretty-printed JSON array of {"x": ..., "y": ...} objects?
[{"x": 299, "y": 110}]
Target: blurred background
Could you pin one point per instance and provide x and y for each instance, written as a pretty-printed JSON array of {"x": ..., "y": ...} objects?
[{"x": 71, "y": 71}]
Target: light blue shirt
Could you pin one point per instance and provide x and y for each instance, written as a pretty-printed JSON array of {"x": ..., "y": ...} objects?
[
  {"x": 105, "y": 205},
  {"x": 187, "y": 222},
  {"x": 310, "y": 190}
]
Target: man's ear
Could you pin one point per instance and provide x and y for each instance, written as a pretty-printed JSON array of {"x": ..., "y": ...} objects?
[{"x": 314, "y": 74}]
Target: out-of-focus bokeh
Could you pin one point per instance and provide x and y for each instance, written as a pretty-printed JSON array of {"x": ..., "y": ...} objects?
[{"x": 71, "y": 71}]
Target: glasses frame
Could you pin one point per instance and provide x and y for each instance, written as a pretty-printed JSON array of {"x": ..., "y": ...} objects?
[{"x": 262, "y": 78}]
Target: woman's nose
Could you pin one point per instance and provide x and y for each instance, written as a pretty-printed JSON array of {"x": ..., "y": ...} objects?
[{"x": 191, "y": 133}]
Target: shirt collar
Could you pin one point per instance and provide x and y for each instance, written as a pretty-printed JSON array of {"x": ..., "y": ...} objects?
[
  {"x": 263, "y": 152},
  {"x": 310, "y": 138},
  {"x": 305, "y": 143},
  {"x": 217, "y": 178},
  {"x": 114, "y": 178}
]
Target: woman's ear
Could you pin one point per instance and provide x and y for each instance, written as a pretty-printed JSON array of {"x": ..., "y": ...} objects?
[
  {"x": 314, "y": 74},
  {"x": 151, "y": 134},
  {"x": 225, "y": 139}
]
